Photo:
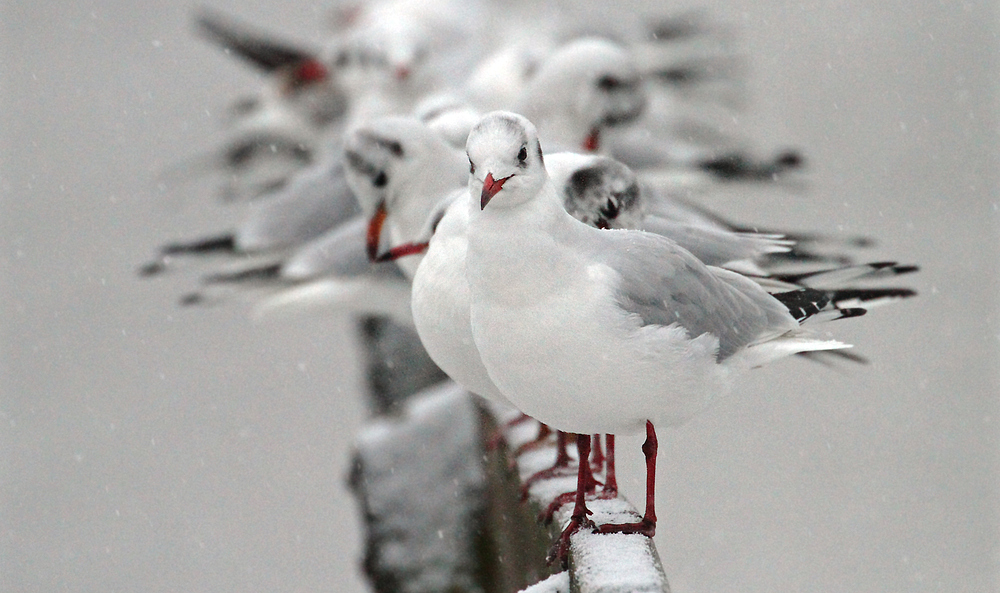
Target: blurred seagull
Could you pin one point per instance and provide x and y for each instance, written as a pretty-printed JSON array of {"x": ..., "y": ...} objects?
[{"x": 277, "y": 131}]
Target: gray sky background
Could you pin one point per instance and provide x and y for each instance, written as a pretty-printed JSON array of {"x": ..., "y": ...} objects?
[{"x": 148, "y": 448}]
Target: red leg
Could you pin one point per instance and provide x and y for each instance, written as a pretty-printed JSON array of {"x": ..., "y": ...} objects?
[
  {"x": 540, "y": 439},
  {"x": 562, "y": 462},
  {"x": 647, "y": 526},
  {"x": 590, "y": 485},
  {"x": 598, "y": 454},
  {"x": 584, "y": 481},
  {"x": 610, "y": 489}
]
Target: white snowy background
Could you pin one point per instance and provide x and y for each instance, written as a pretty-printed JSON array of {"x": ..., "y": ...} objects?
[{"x": 148, "y": 448}]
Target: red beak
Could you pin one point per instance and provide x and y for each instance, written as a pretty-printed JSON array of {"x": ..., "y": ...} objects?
[
  {"x": 490, "y": 188},
  {"x": 402, "y": 251},
  {"x": 375, "y": 231}
]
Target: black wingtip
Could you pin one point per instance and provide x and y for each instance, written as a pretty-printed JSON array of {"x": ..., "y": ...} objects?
[
  {"x": 191, "y": 299},
  {"x": 219, "y": 244},
  {"x": 851, "y": 356},
  {"x": 849, "y": 313},
  {"x": 737, "y": 166},
  {"x": 260, "y": 273},
  {"x": 864, "y": 295},
  {"x": 257, "y": 48},
  {"x": 823, "y": 356},
  {"x": 805, "y": 303},
  {"x": 866, "y": 271},
  {"x": 153, "y": 268},
  {"x": 790, "y": 159}
]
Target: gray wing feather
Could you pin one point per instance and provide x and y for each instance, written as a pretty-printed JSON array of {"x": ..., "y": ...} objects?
[
  {"x": 713, "y": 246},
  {"x": 664, "y": 284},
  {"x": 338, "y": 252},
  {"x": 316, "y": 200}
]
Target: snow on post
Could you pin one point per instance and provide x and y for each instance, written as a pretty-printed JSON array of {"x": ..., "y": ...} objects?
[
  {"x": 420, "y": 481},
  {"x": 598, "y": 563}
]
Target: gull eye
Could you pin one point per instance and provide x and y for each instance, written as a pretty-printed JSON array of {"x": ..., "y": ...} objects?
[
  {"x": 522, "y": 155},
  {"x": 395, "y": 148},
  {"x": 381, "y": 179}
]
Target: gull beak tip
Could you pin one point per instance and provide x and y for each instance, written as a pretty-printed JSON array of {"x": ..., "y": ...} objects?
[{"x": 490, "y": 188}]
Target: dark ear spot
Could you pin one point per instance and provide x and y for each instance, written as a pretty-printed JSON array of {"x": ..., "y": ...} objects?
[
  {"x": 392, "y": 146},
  {"x": 538, "y": 146},
  {"x": 608, "y": 83},
  {"x": 583, "y": 179}
]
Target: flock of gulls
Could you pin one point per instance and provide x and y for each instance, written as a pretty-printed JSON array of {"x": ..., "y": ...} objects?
[{"x": 522, "y": 184}]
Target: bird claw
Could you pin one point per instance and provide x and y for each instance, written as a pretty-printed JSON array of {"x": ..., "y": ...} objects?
[
  {"x": 560, "y": 549},
  {"x": 644, "y": 527},
  {"x": 546, "y": 516}
]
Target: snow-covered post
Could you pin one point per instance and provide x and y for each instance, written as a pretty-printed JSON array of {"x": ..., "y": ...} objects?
[
  {"x": 441, "y": 497},
  {"x": 429, "y": 487},
  {"x": 396, "y": 365}
]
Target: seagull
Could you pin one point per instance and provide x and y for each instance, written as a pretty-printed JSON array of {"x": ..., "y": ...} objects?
[
  {"x": 278, "y": 130},
  {"x": 398, "y": 169},
  {"x": 601, "y": 193},
  {"x": 392, "y": 53},
  {"x": 605, "y": 193},
  {"x": 611, "y": 331},
  {"x": 594, "y": 189},
  {"x": 590, "y": 88},
  {"x": 301, "y": 82},
  {"x": 586, "y": 85}
]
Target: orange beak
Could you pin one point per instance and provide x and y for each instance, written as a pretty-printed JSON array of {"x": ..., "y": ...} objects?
[{"x": 375, "y": 231}]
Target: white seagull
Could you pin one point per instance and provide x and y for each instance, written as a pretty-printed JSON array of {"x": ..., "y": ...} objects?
[
  {"x": 596, "y": 190},
  {"x": 595, "y": 331}
]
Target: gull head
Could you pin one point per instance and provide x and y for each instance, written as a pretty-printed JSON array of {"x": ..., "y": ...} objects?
[
  {"x": 586, "y": 85},
  {"x": 505, "y": 160},
  {"x": 604, "y": 194},
  {"x": 398, "y": 166},
  {"x": 383, "y": 156},
  {"x": 390, "y": 50}
]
